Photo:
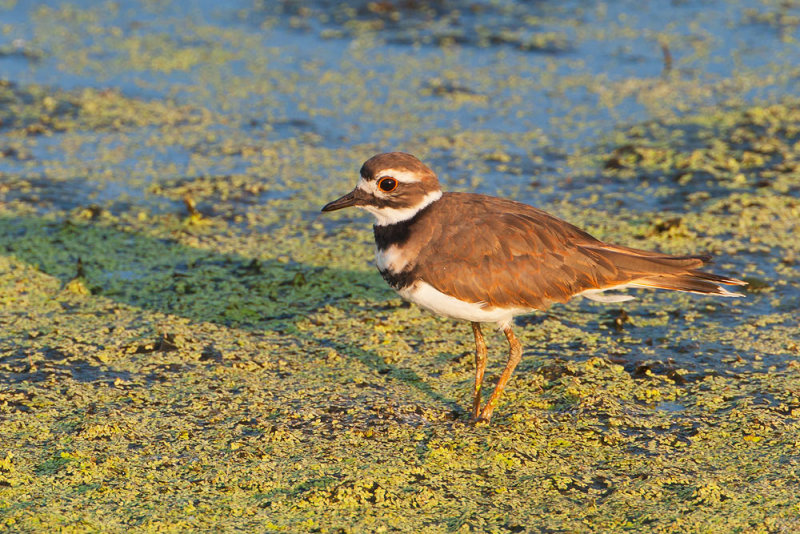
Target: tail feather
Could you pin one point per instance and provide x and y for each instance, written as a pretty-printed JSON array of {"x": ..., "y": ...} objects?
[
  {"x": 693, "y": 282},
  {"x": 640, "y": 268},
  {"x": 703, "y": 258},
  {"x": 641, "y": 262}
]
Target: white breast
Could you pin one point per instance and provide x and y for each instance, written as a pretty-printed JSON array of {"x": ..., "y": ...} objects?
[{"x": 390, "y": 259}]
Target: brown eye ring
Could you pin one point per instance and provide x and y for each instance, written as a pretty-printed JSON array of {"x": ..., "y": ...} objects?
[{"x": 387, "y": 184}]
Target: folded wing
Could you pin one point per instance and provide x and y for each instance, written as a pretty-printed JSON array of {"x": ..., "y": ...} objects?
[{"x": 513, "y": 255}]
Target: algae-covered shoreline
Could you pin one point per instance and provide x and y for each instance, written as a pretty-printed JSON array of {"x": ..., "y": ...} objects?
[{"x": 186, "y": 345}]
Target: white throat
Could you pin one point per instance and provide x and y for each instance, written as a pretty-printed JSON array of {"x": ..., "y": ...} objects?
[{"x": 386, "y": 216}]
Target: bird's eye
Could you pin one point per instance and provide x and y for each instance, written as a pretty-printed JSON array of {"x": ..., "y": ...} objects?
[{"x": 387, "y": 184}]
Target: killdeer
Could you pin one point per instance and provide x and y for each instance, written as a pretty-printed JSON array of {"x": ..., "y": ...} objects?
[{"x": 485, "y": 259}]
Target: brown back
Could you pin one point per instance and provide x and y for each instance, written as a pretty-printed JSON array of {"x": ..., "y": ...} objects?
[{"x": 507, "y": 254}]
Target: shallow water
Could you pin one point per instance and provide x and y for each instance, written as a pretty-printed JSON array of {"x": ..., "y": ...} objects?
[
  {"x": 187, "y": 344},
  {"x": 424, "y": 72},
  {"x": 263, "y": 111}
]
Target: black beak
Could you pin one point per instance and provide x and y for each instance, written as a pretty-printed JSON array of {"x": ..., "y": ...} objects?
[{"x": 350, "y": 199}]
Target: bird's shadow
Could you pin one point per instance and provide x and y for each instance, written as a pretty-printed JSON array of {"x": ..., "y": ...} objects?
[{"x": 166, "y": 276}]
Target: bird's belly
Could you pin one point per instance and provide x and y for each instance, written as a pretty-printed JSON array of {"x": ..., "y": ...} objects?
[{"x": 428, "y": 297}]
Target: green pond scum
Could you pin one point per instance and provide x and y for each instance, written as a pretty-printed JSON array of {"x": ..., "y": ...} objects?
[{"x": 187, "y": 346}]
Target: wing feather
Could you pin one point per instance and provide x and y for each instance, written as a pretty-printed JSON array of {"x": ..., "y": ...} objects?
[{"x": 508, "y": 254}]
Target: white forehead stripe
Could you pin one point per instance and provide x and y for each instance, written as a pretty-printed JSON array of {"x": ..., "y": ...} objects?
[{"x": 367, "y": 187}]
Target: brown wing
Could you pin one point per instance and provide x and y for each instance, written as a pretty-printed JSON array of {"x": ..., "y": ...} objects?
[{"x": 512, "y": 255}]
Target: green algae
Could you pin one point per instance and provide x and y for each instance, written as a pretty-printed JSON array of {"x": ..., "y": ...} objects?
[
  {"x": 200, "y": 351},
  {"x": 164, "y": 374}
]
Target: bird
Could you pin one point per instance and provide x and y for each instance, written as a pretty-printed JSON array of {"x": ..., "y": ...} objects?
[{"x": 486, "y": 259}]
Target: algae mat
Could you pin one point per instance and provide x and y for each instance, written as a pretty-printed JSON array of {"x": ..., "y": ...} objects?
[{"x": 186, "y": 345}]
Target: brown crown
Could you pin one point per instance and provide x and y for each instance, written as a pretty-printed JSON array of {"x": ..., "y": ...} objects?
[{"x": 396, "y": 160}]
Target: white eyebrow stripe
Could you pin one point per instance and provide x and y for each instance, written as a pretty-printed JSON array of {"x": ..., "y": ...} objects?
[{"x": 406, "y": 177}]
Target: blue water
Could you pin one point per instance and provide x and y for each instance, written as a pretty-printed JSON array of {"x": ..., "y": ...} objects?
[
  {"x": 606, "y": 42},
  {"x": 601, "y": 68}
]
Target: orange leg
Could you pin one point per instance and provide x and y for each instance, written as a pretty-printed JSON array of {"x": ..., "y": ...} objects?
[
  {"x": 480, "y": 369},
  {"x": 514, "y": 356}
]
